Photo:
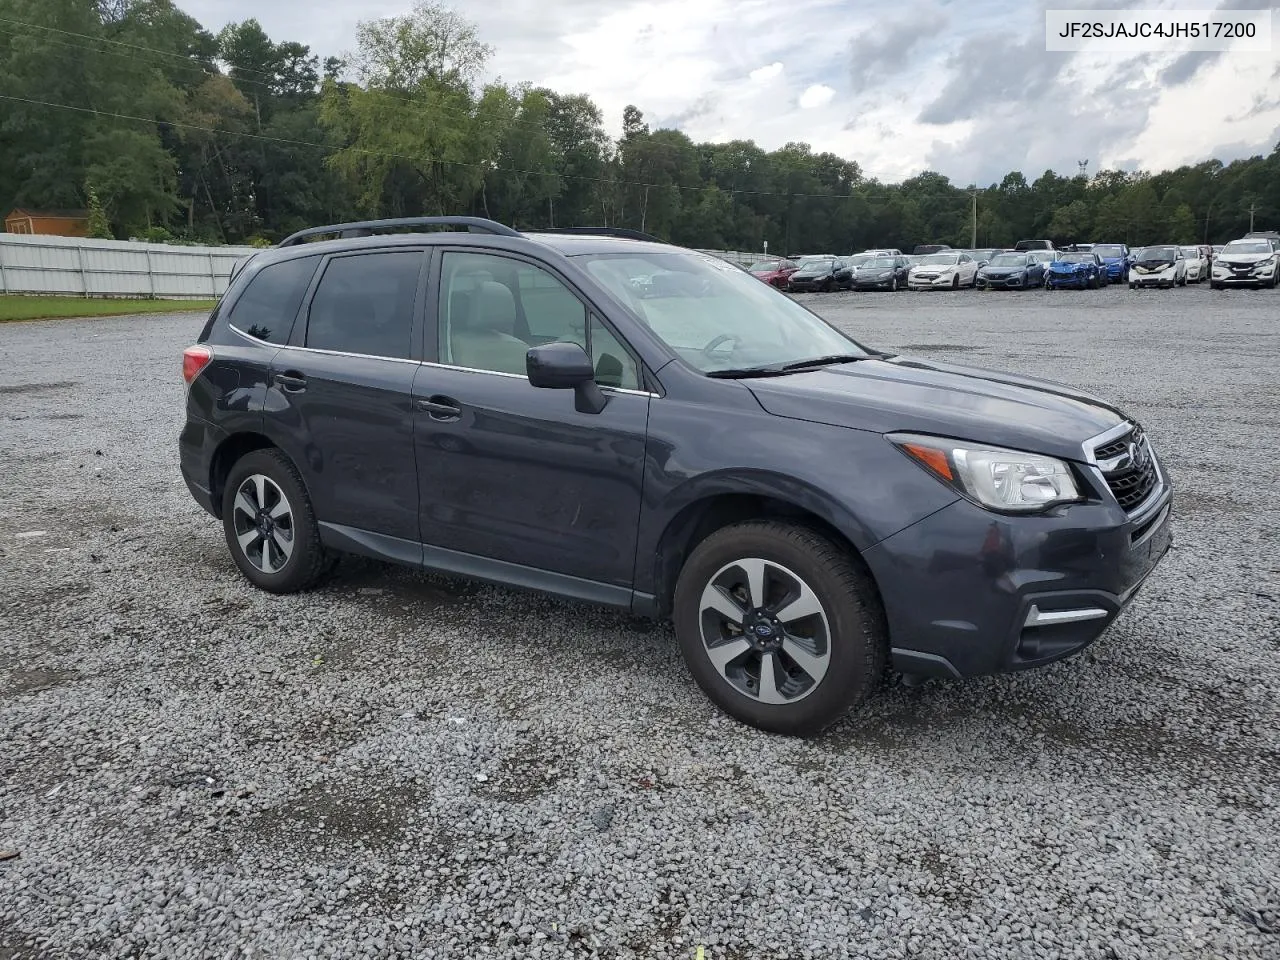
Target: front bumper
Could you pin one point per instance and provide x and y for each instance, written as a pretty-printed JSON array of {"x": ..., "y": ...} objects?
[
  {"x": 807, "y": 286},
  {"x": 1003, "y": 283},
  {"x": 877, "y": 284},
  {"x": 1153, "y": 280},
  {"x": 1067, "y": 280},
  {"x": 968, "y": 592},
  {"x": 1250, "y": 279},
  {"x": 931, "y": 283}
]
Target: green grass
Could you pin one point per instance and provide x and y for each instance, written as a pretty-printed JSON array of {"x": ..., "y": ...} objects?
[{"x": 17, "y": 307}]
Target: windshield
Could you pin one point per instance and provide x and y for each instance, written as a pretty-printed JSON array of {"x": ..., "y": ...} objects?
[
  {"x": 940, "y": 259},
  {"x": 816, "y": 266},
  {"x": 1076, "y": 258},
  {"x": 1191, "y": 253},
  {"x": 716, "y": 317},
  {"x": 1044, "y": 255},
  {"x": 879, "y": 263},
  {"x": 1009, "y": 260},
  {"x": 859, "y": 260},
  {"x": 1246, "y": 246},
  {"x": 1157, "y": 253},
  {"x": 767, "y": 266},
  {"x": 1109, "y": 250}
]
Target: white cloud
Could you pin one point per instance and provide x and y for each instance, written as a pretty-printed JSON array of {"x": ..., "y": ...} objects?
[
  {"x": 818, "y": 95},
  {"x": 760, "y": 74},
  {"x": 736, "y": 69}
]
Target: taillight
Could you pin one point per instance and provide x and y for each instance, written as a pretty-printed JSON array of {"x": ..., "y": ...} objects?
[{"x": 195, "y": 359}]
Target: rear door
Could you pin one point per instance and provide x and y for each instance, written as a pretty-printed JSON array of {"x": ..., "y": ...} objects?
[{"x": 340, "y": 400}]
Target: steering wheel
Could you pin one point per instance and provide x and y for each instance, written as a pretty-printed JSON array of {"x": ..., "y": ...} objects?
[{"x": 709, "y": 350}]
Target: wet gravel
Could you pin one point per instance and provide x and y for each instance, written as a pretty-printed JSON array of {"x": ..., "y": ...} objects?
[{"x": 404, "y": 765}]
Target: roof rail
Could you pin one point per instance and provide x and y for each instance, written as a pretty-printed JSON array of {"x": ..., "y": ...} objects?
[
  {"x": 622, "y": 232},
  {"x": 367, "y": 228}
]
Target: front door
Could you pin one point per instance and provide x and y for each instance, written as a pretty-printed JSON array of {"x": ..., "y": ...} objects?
[
  {"x": 340, "y": 402},
  {"x": 510, "y": 472}
]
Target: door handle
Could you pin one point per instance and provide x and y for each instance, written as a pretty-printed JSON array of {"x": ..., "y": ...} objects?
[
  {"x": 440, "y": 408},
  {"x": 291, "y": 381}
]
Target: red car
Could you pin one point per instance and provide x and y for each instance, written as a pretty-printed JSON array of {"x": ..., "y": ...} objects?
[{"x": 774, "y": 272}]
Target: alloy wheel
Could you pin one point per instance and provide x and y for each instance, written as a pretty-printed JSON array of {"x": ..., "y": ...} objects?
[
  {"x": 765, "y": 631},
  {"x": 264, "y": 525}
]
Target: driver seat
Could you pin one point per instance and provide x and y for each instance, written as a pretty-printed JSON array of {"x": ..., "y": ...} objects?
[{"x": 485, "y": 339}]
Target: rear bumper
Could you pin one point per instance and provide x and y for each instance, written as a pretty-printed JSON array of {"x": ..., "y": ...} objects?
[
  {"x": 196, "y": 444},
  {"x": 968, "y": 592}
]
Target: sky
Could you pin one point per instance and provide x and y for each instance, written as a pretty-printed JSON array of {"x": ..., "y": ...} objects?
[{"x": 963, "y": 87}]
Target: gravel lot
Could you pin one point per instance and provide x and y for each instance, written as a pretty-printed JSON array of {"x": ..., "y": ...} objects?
[{"x": 404, "y": 765}]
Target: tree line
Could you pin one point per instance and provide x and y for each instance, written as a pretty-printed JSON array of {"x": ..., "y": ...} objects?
[{"x": 166, "y": 130}]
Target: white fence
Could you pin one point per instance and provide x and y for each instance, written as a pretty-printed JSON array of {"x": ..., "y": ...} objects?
[
  {"x": 114, "y": 268},
  {"x": 124, "y": 268}
]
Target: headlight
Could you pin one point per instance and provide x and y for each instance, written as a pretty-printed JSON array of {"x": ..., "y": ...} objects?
[
  {"x": 995, "y": 478},
  {"x": 884, "y": 275}
]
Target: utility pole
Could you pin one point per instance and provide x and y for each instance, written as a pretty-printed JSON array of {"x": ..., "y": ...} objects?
[
  {"x": 1252, "y": 207},
  {"x": 973, "y": 239}
]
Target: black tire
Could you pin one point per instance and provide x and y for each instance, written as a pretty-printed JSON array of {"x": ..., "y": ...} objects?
[
  {"x": 893, "y": 285},
  {"x": 1093, "y": 283},
  {"x": 308, "y": 561},
  {"x": 955, "y": 282},
  {"x": 1214, "y": 286},
  {"x": 856, "y": 636},
  {"x": 1132, "y": 285}
]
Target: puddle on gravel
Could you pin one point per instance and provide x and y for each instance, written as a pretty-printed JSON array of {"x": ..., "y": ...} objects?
[
  {"x": 332, "y": 812},
  {"x": 21, "y": 389},
  {"x": 18, "y": 682}
]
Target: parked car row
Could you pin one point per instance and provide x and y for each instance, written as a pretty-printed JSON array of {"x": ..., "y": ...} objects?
[{"x": 1251, "y": 261}]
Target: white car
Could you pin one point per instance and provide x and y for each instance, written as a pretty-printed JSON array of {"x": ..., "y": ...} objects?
[
  {"x": 1197, "y": 264},
  {"x": 888, "y": 252},
  {"x": 948, "y": 270},
  {"x": 1245, "y": 263},
  {"x": 1159, "y": 266}
]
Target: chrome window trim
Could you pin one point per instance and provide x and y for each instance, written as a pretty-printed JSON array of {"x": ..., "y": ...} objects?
[
  {"x": 421, "y": 363},
  {"x": 330, "y": 353}
]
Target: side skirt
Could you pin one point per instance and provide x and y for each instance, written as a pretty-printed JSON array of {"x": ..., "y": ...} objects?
[{"x": 411, "y": 553}]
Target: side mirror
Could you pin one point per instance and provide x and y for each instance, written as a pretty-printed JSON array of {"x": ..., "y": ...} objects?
[{"x": 566, "y": 366}]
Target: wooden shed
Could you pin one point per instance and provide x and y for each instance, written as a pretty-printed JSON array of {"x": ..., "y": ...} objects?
[{"x": 57, "y": 223}]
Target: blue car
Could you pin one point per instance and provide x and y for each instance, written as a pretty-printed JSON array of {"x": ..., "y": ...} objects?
[
  {"x": 1116, "y": 258},
  {"x": 1079, "y": 270}
]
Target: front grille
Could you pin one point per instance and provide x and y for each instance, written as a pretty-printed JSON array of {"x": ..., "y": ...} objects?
[{"x": 1134, "y": 480}]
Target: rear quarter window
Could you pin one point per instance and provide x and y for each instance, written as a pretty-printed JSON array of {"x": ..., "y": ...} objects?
[{"x": 267, "y": 307}]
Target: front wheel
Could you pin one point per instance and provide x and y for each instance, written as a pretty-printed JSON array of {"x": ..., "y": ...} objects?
[
  {"x": 779, "y": 626},
  {"x": 893, "y": 285},
  {"x": 270, "y": 526}
]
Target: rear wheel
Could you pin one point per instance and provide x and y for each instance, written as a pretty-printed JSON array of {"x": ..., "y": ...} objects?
[
  {"x": 779, "y": 627},
  {"x": 270, "y": 526}
]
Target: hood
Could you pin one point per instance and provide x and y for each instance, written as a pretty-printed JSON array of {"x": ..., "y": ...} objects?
[
  {"x": 967, "y": 403},
  {"x": 1067, "y": 266},
  {"x": 1151, "y": 265},
  {"x": 1225, "y": 259}
]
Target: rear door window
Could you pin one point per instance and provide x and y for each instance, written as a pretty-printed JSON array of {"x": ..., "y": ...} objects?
[
  {"x": 364, "y": 304},
  {"x": 268, "y": 306}
]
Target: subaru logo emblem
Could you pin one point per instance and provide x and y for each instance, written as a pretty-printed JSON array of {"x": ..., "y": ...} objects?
[{"x": 763, "y": 629}]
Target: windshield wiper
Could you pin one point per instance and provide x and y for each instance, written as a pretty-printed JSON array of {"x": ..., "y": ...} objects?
[
  {"x": 778, "y": 370},
  {"x": 832, "y": 359}
]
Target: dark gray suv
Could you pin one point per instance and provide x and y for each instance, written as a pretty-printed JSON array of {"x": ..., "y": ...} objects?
[{"x": 634, "y": 424}]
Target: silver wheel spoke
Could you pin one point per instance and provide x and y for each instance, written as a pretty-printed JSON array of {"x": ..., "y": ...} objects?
[
  {"x": 724, "y": 653},
  {"x": 713, "y": 598},
  {"x": 281, "y": 509},
  {"x": 814, "y": 666},
  {"x": 805, "y": 605},
  {"x": 284, "y": 543},
  {"x": 754, "y": 570},
  {"x": 260, "y": 487},
  {"x": 248, "y": 539},
  {"x": 244, "y": 506},
  {"x": 769, "y": 680},
  {"x": 267, "y": 565}
]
